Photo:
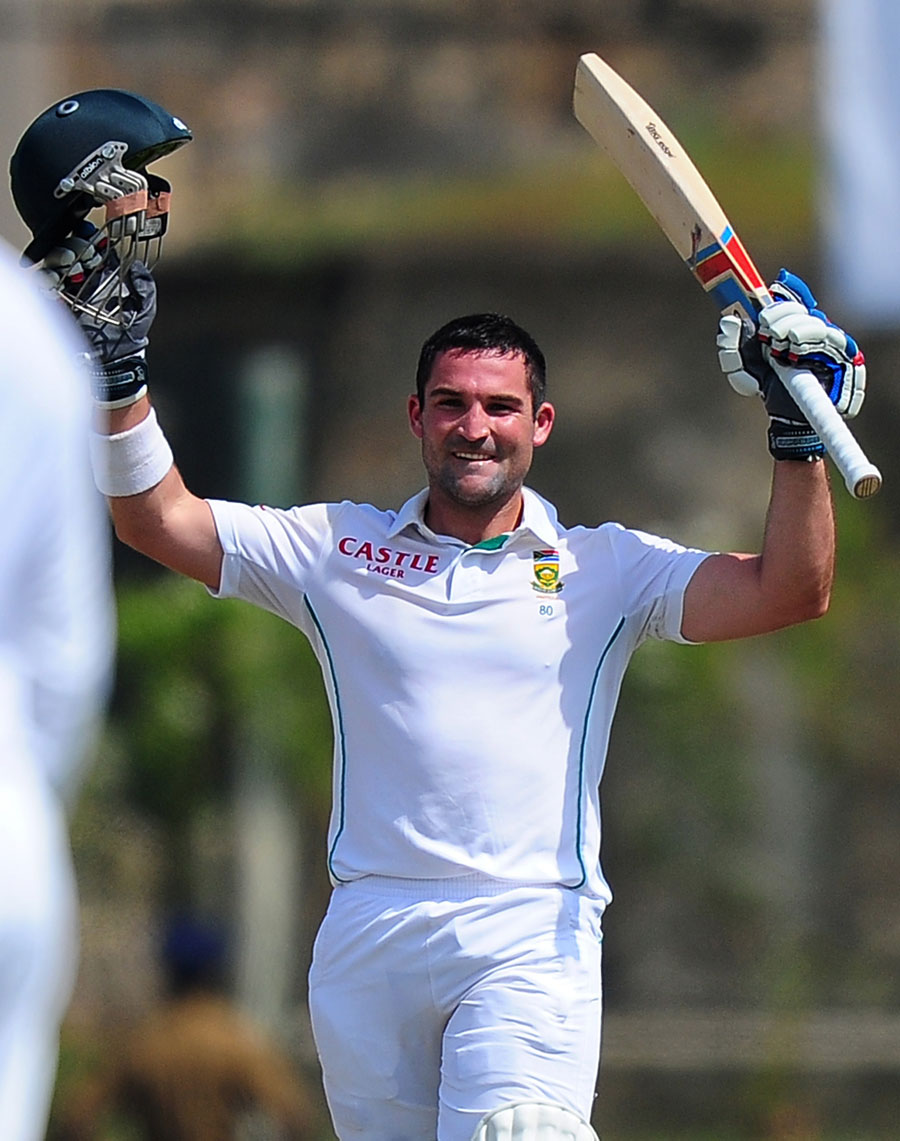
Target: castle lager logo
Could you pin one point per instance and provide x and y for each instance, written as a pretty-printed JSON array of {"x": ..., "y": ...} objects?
[
  {"x": 546, "y": 572},
  {"x": 385, "y": 560}
]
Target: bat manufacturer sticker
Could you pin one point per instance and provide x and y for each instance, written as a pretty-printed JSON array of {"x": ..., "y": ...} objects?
[
  {"x": 546, "y": 572},
  {"x": 653, "y": 131}
]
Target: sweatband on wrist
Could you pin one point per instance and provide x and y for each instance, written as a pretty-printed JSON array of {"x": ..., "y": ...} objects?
[
  {"x": 790, "y": 440},
  {"x": 132, "y": 461},
  {"x": 120, "y": 383}
]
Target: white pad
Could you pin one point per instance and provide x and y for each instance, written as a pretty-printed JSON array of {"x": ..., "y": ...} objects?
[{"x": 533, "y": 1121}]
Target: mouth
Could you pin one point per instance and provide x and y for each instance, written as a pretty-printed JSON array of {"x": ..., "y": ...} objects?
[{"x": 473, "y": 457}]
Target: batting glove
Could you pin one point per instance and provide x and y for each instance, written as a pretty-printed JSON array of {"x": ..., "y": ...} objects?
[
  {"x": 113, "y": 310},
  {"x": 66, "y": 268},
  {"x": 793, "y": 331}
]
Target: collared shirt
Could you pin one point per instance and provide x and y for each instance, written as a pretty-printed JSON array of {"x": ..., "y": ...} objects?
[{"x": 472, "y": 688}]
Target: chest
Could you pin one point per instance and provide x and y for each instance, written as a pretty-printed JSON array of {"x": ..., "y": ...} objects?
[{"x": 417, "y": 610}]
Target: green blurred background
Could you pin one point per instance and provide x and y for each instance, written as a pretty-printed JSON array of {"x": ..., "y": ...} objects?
[{"x": 363, "y": 170}]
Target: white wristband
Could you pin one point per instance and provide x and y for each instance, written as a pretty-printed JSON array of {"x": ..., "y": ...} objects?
[{"x": 132, "y": 461}]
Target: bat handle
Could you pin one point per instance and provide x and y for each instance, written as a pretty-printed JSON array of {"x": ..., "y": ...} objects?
[{"x": 862, "y": 478}]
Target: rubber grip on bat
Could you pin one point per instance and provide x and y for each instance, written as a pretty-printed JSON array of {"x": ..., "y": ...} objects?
[{"x": 862, "y": 478}]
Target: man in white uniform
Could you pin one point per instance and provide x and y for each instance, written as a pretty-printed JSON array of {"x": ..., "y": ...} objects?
[
  {"x": 56, "y": 638},
  {"x": 472, "y": 649}
]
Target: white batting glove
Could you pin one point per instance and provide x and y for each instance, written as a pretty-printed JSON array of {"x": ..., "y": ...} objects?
[
  {"x": 794, "y": 331},
  {"x": 734, "y": 336},
  {"x": 793, "y": 335}
]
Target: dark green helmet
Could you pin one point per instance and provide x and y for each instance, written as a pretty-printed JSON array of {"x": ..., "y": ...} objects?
[{"x": 52, "y": 170}]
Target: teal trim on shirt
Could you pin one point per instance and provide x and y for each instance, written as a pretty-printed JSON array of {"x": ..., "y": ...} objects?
[{"x": 492, "y": 544}]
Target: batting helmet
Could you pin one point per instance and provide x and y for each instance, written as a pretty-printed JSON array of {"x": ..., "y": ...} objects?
[{"x": 51, "y": 169}]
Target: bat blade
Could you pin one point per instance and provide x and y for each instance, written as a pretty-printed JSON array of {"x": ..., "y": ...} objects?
[
  {"x": 665, "y": 179},
  {"x": 662, "y": 175}
]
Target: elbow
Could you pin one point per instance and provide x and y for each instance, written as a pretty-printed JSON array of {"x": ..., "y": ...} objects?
[
  {"x": 817, "y": 609},
  {"x": 131, "y": 528},
  {"x": 822, "y": 604},
  {"x": 820, "y": 597},
  {"x": 125, "y": 532},
  {"x": 812, "y": 604}
]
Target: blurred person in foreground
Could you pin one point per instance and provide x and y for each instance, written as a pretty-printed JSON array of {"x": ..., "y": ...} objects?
[
  {"x": 195, "y": 1067},
  {"x": 56, "y": 646}
]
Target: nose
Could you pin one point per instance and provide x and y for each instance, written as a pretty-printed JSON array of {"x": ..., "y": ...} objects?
[{"x": 474, "y": 424}]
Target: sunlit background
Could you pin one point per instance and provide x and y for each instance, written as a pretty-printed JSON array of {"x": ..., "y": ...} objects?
[{"x": 361, "y": 171}]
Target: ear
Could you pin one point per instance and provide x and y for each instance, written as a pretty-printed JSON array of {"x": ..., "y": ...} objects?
[
  {"x": 414, "y": 411},
  {"x": 543, "y": 423}
]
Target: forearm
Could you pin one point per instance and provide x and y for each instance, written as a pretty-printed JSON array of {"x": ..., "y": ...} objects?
[
  {"x": 110, "y": 421},
  {"x": 162, "y": 520},
  {"x": 796, "y": 565}
]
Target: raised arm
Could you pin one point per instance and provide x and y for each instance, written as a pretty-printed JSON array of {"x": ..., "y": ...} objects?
[
  {"x": 152, "y": 509},
  {"x": 740, "y": 595},
  {"x": 166, "y": 522}
]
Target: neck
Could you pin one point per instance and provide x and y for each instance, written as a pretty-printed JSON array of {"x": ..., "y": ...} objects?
[{"x": 472, "y": 524}]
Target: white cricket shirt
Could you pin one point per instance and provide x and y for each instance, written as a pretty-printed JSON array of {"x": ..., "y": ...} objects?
[{"x": 472, "y": 688}]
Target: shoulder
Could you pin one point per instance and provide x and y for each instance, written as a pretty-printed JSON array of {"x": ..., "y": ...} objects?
[
  {"x": 310, "y": 525},
  {"x": 334, "y": 518},
  {"x": 627, "y": 550},
  {"x": 622, "y": 537},
  {"x": 602, "y": 536}
]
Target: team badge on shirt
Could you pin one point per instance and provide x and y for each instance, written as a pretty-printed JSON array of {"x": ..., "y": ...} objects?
[{"x": 546, "y": 572}]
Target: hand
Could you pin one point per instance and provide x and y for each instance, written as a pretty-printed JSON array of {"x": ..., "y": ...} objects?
[
  {"x": 66, "y": 267},
  {"x": 114, "y": 310},
  {"x": 794, "y": 332}
]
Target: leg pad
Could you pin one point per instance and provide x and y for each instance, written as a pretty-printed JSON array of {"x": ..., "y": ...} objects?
[{"x": 533, "y": 1121}]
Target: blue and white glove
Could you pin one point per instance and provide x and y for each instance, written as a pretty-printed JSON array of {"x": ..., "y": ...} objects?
[
  {"x": 792, "y": 331},
  {"x": 113, "y": 310}
]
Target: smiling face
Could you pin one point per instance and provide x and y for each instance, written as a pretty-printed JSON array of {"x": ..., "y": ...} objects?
[{"x": 478, "y": 433}]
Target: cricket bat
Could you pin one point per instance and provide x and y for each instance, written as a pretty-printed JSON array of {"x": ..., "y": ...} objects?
[{"x": 672, "y": 189}]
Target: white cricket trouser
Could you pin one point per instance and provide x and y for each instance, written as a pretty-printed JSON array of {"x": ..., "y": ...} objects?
[
  {"x": 434, "y": 1002},
  {"x": 38, "y": 947}
]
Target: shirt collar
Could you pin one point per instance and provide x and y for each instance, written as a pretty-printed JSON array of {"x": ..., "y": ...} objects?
[{"x": 539, "y": 519}]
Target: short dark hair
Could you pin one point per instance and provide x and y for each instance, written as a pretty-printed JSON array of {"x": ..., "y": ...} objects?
[{"x": 485, "y": 333}]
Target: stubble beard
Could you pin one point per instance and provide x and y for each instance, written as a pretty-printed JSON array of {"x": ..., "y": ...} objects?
[{"x": 499, "y": 488}]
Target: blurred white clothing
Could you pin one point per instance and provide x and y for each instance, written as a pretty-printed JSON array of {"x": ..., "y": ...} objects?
[{"x": 56, "y": 652}]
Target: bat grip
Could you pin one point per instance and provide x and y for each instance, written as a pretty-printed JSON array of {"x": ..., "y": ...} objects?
[{"x": 862, "y": 478}]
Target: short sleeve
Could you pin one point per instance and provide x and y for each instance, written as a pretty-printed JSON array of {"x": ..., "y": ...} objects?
[
  {"x": 269, "y": 553},
  {"x": 654, "y": 573}
]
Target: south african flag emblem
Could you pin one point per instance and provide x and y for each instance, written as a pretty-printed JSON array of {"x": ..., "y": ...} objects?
[{"x": 546, "y": 572}]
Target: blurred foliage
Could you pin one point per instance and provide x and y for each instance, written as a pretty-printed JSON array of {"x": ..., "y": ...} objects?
[
  {"x": 193, "y": 675},
  {"x": 201, "y": 685},
  {"x": 579, "y": 198},
  {"x": 755, "y": 887}
]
